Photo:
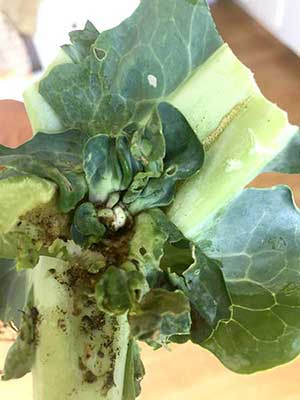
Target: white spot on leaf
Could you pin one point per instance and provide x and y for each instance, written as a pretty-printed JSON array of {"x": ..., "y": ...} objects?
[{"x": 152, "y": 80}]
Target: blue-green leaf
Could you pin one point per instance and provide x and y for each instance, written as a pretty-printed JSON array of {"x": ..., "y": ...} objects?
[
  {"x": 148, "y": 145},
  {"x": 183, "y": 157},
  {"x": 54, "y": 157},
  {"x": 132, "y": 67},
  {"x": 108, "y": 165},
  {"x": 147, "y": 247},
  {"x": 87, "y": 228},
  {"x": 162, "y": 314},
  {"x": 203, "y": 283},
  {"x": 82, "y": 41},
  {"x": 118, "y": 291},
  {"x": 256, "y": 240},
  {"x": 184, "y": 152}
]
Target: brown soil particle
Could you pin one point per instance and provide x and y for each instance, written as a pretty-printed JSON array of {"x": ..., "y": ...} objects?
[
  {"x": 89, "y": 377},
  {"x": 109, "y": 382},
  {"x": 115, "y": 247},
  {"x": 94, "y": 322},
  {"x": 100, "y": 354},
  {"x": 50, "y": 222},
  {"x": 61, "y": 323}
]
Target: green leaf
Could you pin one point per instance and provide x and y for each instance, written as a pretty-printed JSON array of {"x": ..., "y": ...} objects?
[
  {"x": 118, "y": 290},
  {"x": 147, "y": 248},
  {"x": 184, "y": 152},
  {"x": 256, "y": 240},
  {"x": 177, "y": 257},
  {"x": 22, "y": 245},
  {"x": 21, "y": 194},
  {"x": 288, "y": 160},
  {"x": 148, "y": 145},
  {"x": 14, "y": 288},
  {"x": 7, "y": 173},
  {"x": 108, "y": 165},
  {"x": 54, "y": 157},
  {"x": 20, "y": 357},
  {"x": 133, "y": 66},
  {"x": 148, "y": 149},
  {"x": 203, "y": 284},
  {"x": 87, "y": 224},
  {"x": 137, "y": 186},
  {"x": 184, "y": 156},
  {"x": 134, "y": 372},
  {"x": 162, "y": 314},
  {"x": 165, "y": 225},
  {"x": 159, "y": 192},
  {"x": 82, "y": 41}
]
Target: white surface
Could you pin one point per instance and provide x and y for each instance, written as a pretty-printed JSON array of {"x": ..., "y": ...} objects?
[
  {"x": 281, "y": 17},
  {"x": 58, "y": 17},
  {"x": 13, "y": 88}
]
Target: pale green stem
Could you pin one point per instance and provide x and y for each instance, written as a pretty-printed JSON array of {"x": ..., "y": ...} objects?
[{"x": 80, "y": 352}]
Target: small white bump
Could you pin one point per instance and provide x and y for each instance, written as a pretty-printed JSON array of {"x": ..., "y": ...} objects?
[{"x": 152, "y": 80}]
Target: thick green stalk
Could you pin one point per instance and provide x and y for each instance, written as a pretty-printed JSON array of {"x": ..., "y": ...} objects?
[
  {"x": 240, "y": 129},
  {"x": 215, "y": 93},
  {"x": 42, "y": 117},
  {"x": 80, "y": 351}
]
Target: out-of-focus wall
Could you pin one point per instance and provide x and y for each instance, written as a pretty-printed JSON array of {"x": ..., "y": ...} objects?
[
  {"x": 22, "y": 14},
  {"x": 281, "y": 17}
]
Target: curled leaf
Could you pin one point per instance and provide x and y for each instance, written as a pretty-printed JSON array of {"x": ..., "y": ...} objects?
[
  {"x": 86, "y": 226},
  {"x": 118, "y": 290},
  {"x": 55, "y": 157},
  {"x": 162, "y": 314}
]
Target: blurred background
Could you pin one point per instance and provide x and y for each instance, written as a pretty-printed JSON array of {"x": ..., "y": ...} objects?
[{"x": 265, "y": 34}]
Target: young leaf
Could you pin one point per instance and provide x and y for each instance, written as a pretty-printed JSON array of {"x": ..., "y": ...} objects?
[
  {"x": 147, "y": 246},
  {"x": 122, "y": 80},
  {"x": 148, "y": 145},
  {"x": 184, "y": 152},
  {"x": 82, "y": 41},
  {"x": 118, "y": 290},
  {"x": 203, "y": 284},
  {"x": 255, "y": 238},
  {"x": 87, "y": 225},
  {"x": 162, "y": 314},
  {"x": 159, "y": 192},
  {"x": 165, "y": 225},
  {"x": 109, "y": 166},
  {"x": 54, "y": 157},
  {"x": 184, "y": 156}
]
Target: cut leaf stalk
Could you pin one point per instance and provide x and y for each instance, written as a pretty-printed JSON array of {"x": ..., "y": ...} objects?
[{"x": 241, "y": 131}]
